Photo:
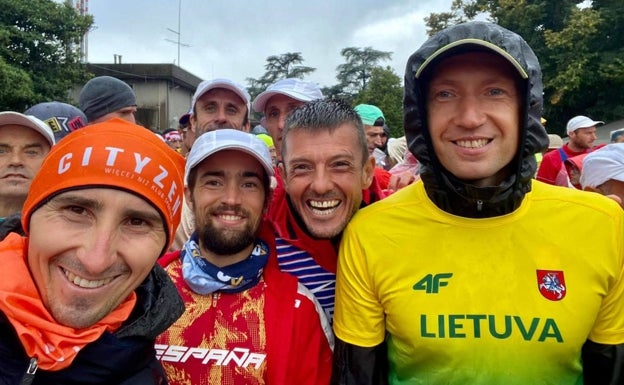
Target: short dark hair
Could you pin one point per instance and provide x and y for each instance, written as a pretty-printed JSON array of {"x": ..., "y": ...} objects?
[{"x": 324, "y": 115}]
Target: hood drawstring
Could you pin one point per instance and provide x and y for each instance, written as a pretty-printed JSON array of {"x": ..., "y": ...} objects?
[{"x": 29, "y": 376}]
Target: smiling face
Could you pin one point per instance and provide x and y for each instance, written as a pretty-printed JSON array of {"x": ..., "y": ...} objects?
[
  {"x": 473, "y": 106},
  {"x": 89, "y": 250},
  {"x": 324, "y": 175},
  {"x": 228, "y": 197},
  {"x": 22, "y": 151}
]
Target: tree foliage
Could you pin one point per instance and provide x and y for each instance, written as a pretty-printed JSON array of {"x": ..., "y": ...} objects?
[
  {"x": 39, "y": 57},
  {"x": 286, "y": 65},
  {"x": 580, "y": 45},
  {"x": 354, "y": 74},
  {"x": 386, "y": 92}
]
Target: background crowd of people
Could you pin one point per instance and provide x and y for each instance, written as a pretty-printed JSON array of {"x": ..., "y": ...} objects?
[{"x": 315, "y": 248}]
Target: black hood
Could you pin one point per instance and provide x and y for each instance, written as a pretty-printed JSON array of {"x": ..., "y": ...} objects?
[{"x": 444, "y": 189}]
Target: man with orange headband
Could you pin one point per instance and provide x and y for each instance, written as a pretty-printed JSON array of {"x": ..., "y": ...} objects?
[{"x": 81, "y": 298}]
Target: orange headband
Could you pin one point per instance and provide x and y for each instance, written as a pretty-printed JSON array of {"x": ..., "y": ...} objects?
[{"x": 118, "y": 154}]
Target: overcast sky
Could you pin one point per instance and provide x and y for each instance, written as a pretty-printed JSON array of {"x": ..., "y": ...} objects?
[{"x": 233, "y": 38}]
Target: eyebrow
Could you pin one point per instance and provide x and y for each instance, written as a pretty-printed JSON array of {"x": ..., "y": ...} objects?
[
  {"x": 74, "y": 199},
  {"x": 29, "y": 145},
  {"x": 341, "y": 156},
  {"x": 96, "y": 205}
]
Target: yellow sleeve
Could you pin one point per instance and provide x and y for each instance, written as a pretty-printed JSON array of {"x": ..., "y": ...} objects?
[
  {"x": 609, "y": 326},
  {"x": 359, "y": 317}
]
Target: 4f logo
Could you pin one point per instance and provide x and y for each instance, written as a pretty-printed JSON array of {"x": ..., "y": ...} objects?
[{"x": 431, "y": 283}]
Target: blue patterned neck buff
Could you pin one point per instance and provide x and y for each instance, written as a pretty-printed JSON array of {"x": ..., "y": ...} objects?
[{"x": 205, "y": 278}]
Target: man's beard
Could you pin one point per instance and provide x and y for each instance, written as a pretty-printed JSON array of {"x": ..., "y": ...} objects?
[{"x": 225, "y": 241}]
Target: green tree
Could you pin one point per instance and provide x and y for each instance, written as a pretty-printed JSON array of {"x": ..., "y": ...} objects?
[
  {"x": 386, "y": 92},
  {"x": 580, "y": 46},
  {"x": 354, "y": 74},
  {"x": 286, "y": 65},
  {"x": 39, "y": 58}
]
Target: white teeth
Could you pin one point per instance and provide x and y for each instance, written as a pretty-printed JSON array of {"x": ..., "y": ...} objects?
[
  {"x": 230, "y": 217},
  {"x": 324, "y": 207},
  {"x": 324, "y": 204},
  {"x": 76, "y": 280},
  {"x": 475, "y": 143},
  {"x": 323, "y": 212}
]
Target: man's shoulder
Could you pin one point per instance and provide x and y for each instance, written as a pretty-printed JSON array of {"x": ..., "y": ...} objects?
[
  {"x": 570, "y": 199},
  {"x": 411, "y": 195},
  {"x": 551, "y": 156}
]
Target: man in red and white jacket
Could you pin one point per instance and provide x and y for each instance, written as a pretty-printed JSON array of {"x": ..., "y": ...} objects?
[{"x": 245, "y": 322}]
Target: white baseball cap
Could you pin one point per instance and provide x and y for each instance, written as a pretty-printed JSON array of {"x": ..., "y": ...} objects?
[
  {"x": 301, "y": 90},
  {"x": 11, "y": 117},
  {"x": 227, "y": 84},
  {"x": 212, "y": 142},
  {"x": 603, "y": 164},
  {"x": 581, "y": 122}
]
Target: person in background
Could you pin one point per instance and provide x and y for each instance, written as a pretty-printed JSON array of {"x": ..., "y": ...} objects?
[
  {"x": 374, "y": 122},
  {"x": 381, "y": 153},
  {"x": 81, "y": 298},
  {"x": 468, "y": 276},
  {"x": 62, "y": 118},
  {"x": 603, "y": 172},
  {"x": 188, "y": 136},
  {"x": 219, "y": 103},
  {"x": 173, "y": 139},
  {"x": 617, "y": 136},
  {"x": 582, "y": 135},
  {"x": 245, "y": 321},
  {"x": 570, "y": 173},
  {"x": 106, "y": 97},
  {"x": 24, "y": 143},
  {"x": 278, "y": 100},
  {"x": 269, "y": 142}
]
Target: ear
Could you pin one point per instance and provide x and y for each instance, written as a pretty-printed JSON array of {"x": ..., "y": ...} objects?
[
  {"x": 188, "y": 195},
  {"x": 368, "y": 171},
  {"x": 282, "y": 172},
  {"x": 193, "y": 122}
]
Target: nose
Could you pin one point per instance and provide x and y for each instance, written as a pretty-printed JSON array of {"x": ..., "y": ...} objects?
[
  {"x": 16, "y": 158},
  {"x": 280, "y": 122},
  {"x": 469, "y": 114},
  {"x": 98, "y": 252},
  {"x": 220, "y": 116},
  {"x": 232, "y": 196},
  {"x": 321, "y": 182}
]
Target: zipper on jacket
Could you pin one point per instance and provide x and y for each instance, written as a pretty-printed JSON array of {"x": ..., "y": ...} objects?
[
  {"x": 29, "y": 376},
  {"x": 479, "y": 205},
  {"x": 215, "y": 297}
]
